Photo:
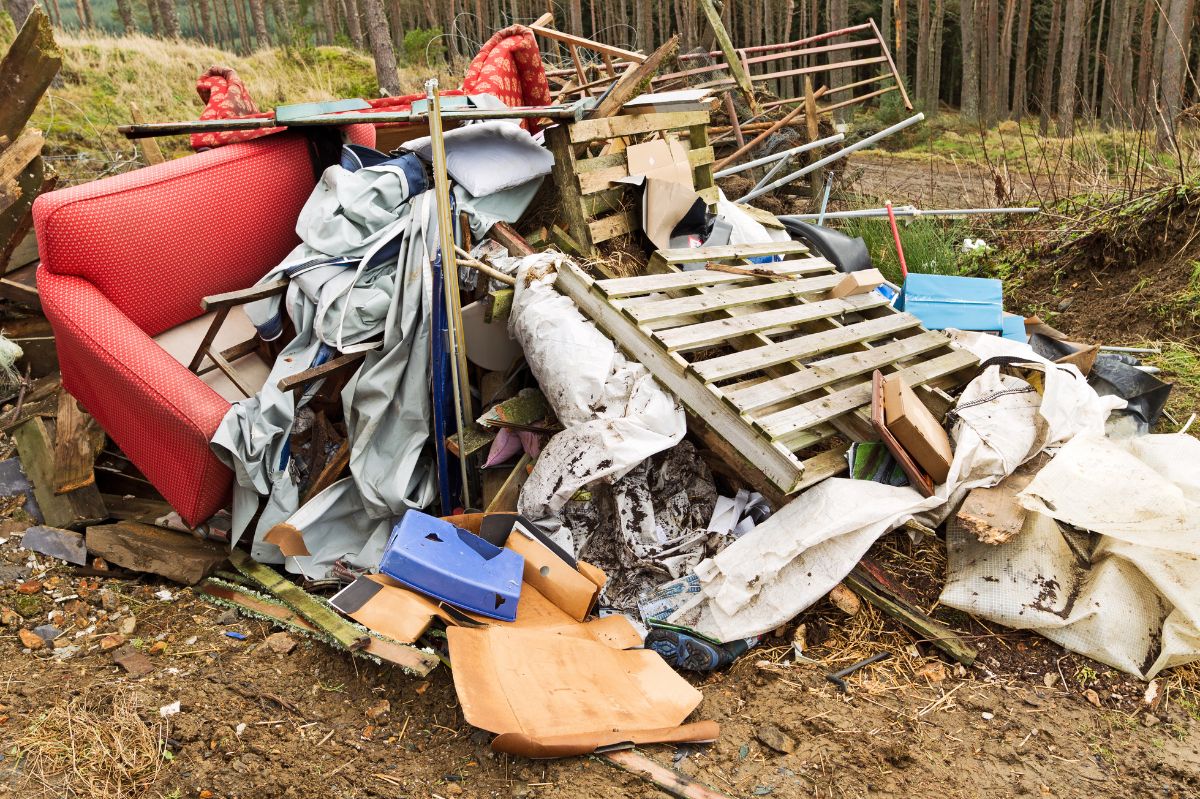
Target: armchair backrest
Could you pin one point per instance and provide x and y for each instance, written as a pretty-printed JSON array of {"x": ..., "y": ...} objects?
[{"x": 156, "y": 240}]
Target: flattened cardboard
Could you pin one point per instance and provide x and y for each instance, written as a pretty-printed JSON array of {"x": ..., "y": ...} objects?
[
  {"x": 859, "y": 282},
  {"x": 571, "y": 591},
  {"x": 917, "y": 478},
  {"x": 669, "y": 188},
  {"x": 380, "y": 604},
  {"x": 661, "y": 160},
  {"x": 585, "y": 690},
  {"x": 915, "y": 427}
]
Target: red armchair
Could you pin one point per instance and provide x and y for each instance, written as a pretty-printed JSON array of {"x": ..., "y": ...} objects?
[{"x": 127, "y": 258}]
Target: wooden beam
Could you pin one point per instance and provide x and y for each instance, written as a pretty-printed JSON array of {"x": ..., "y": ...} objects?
[
  {"x": 634, "y": 81},
  {"x": 929, "y": 629},
  {"x": 26, "y": 71},
  {"x": 78, "y": 440},
  {"x": 673, "y": 782},
  {"x": 77, "y": 508},
  {"x": 297, "y": 381},
  {"x": 148, "y": 548},
  {"x": 731, "y": 56},
  {"x": 150, "y": 147},
  {"x": 14, "y": 159}
]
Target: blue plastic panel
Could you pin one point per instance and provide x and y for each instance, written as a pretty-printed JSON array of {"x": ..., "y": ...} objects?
[{"x": 965, "y": 303}]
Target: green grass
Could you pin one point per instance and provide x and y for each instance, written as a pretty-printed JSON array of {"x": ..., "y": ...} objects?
[{"x": 931, "y": 246}]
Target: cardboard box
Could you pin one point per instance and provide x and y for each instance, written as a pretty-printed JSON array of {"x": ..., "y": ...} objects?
[
  {"x": 915, "y": 427},
  {"x": 859, "y": 282}
]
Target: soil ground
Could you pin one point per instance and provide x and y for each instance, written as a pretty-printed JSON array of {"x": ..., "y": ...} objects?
[{"x": 257, "y": 723}]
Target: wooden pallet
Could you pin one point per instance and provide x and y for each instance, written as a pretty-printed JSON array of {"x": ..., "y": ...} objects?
[
  {"x": 593, "y": 207},
  {"x": 774, "y": 367}
]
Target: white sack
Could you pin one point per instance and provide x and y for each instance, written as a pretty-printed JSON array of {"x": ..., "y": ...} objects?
[
  {"x": 1125, "y": 596},
  {"x": 615, "y": 414}
]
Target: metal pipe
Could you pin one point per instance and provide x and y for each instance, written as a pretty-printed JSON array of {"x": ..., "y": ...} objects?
[
  {"x": 1140, "y": 350},
  {"x": 825, "y": 199},
  {"x": 829, "y": 159},
  {"x": 908, "y": 210},
  {"x": 782, "y": 154},
  {"x": 773, "y": 171}
]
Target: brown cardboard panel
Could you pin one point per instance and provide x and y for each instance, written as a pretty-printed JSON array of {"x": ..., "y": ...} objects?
[
  {"x": 378, "y": 603},
  {"x": 569, "y": 590},
  {"x": 583, "y": 688},
  {"x": 915, "y": 427}
]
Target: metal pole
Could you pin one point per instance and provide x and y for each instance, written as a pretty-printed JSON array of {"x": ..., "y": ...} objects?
[
  {"x": 773, "y": 171},
  {"x": 829, "y": 159},
  {"x": 825, "y": 199},
  {"x": 767, "y": 159},
  {"x": 908, "y": 210}
]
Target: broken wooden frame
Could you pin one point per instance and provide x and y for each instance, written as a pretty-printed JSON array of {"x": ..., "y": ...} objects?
[
  {"x": 596, "y": 210},
  {"x": 26, "y": 71},
  {"x": 770, "y": 370}
]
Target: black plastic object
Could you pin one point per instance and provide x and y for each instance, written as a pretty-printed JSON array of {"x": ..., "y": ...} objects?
[
  {"x": 847, "y": 254},
  {"x": 1116, "y": 375}
]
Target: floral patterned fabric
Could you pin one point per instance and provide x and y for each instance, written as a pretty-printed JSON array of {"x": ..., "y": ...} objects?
[{"x": 226, "y": 97}]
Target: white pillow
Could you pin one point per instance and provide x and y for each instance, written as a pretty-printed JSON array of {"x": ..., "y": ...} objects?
[{"x": 489, "y": 157}]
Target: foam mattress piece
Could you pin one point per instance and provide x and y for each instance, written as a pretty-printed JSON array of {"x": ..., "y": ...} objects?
[{"x": 545, "y": 693}]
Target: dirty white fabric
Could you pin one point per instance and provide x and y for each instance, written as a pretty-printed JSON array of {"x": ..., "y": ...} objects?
[
  {"x": 1123, "y": 594},
  {"x": 747, "y": 230},
  {"x": 362, "y": 269},
  {"x": 796, "y": 556},
  {"x": 614, "y": 412}
]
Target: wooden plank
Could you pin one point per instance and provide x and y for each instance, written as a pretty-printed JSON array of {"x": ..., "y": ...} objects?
[
  {"x": 150, "y": 147},
  {"x": 602, "y": 179},
  {"x": 931, "y": 630},
  {"x": 634, "y": 124},
  {"x": 612, "y": 226},
  {"x": 20, "y": 285},
  {"x": 74, "y": 509},
  {"x": 777, "y": 465},
  {"x": 26, "y": 71},
  {"x": 675, "y": 783},
  {"x": 707, "y": 303},
  {"x": 632, "y": 82},
  {"x": 13, "y": 160},
  {"x": 346, "y": 634},
  {"x": 566, "y": 179},
  {"x": 677, "y": 281},
  {"x": 736, "y": 68},
  {"x": 746, "y": 361},
  {"x": 510, "y": 239},
  {"x": 727, "y": 252},
  {"x": 783, "y": 426},
  {"x": 505, "y": 500},
  {"x": 830, "y": 370},
  {"x": 136, "y": 509},
  {"x": 78, "y": 440},
  {"x": 147, "y": 548},
  {"x": 993, "y": 515},
  {"x": 331, "y": 472},
  {"x": 588, "y": 44},
  {"x": 706, "y": 333},
  {"x": 298, "y": 381}
]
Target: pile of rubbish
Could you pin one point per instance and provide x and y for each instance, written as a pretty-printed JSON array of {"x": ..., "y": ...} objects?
[{"x": 515, "y": 368}]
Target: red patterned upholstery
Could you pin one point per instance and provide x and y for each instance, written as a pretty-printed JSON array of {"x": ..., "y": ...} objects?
[
  {"x": 509, "y": 66},
  {"x": 225, "y": 97},
  {"x": 127, "y": 257}
]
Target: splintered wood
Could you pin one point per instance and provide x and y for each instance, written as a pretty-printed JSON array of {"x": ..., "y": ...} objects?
[{"x": 770, "y": 370}]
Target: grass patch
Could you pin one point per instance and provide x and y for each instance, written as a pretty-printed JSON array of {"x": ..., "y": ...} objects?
[{"x": 931, "y": 246}]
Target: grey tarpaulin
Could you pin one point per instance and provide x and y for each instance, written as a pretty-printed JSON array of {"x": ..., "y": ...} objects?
[{"x": 362, "y": 269}]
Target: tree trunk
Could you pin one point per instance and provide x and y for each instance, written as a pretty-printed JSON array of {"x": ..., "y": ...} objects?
[
  {"x": 934, "y": 97},
  {"x": 259, "y": 15},
  {"x": 1094, "y": 87},
  {"x": 1145, "y": 92},
  {"x": 151, "y": 8},
  {"x": 206, "y": 24},
  {"x": 125, "y": 12},
  {"x": 989, "y": 71},
  {"x": 645, "y": 25},
  {"x": 1006, "y": 54},
  {"x": 169, "y": 16},
  {"x": 1176, "y": 49},
  {"x": 239, "y": 11},
  {"x": 921, "y": 84},
  {"x": 1020, "y": 77},
  {"x": 839, "y": 17},
  {"x": 1053, "y": 46},
  {"x": 1073, "y": 32},
  {"x": 380, "y": 39},
  {"x": 900, "y": 9},
  {"x": 969, "y": 102},
  {"x": 195, "y": 18}
]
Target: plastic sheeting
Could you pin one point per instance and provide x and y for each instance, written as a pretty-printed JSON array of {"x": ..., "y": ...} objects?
[
  {"x": 1123, "y": 594},
  {"x": 615, "y": 414},
  {"x": 795, "y": 557}
]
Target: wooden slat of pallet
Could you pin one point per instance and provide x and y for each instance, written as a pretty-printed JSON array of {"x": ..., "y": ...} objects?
[
  {"x": 788, "y": 426},
  {"x": 631, "y": 125},
  {"x": 775, "y": 463},
  {"x": 830, "y": 370},
  {"x": 612, "y": 226},
  {"x": 702, "y": 335},
  {"x": 674, "y": 281},
  {"x": 726, "y": 252},
  {"x": 740, "y": 363},
  {"x": 706, "y": 303}
]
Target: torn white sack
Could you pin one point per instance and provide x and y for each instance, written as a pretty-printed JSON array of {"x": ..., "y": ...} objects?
[
  {"x": 790, "y": 561},
  {"x": 614, "y": 413},
  {"x": 1123, "y": 594}
]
